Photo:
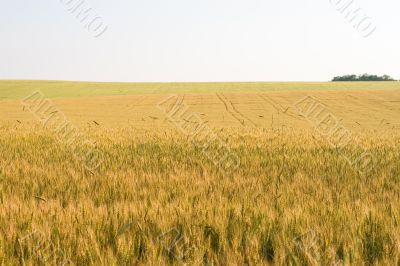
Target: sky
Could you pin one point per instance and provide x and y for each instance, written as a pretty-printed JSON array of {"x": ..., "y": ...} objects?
[{"x": 198, "y": 41}]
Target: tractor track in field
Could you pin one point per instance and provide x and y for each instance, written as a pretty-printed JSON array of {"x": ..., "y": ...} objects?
[
  {"x": 174, "y": 108},
  {"x": 276, "y": 105},
  {"x": 231, "y": 109},
  {"x": 238, "y": 112},
  {"x": 227, "y": 109},
  {"x": 178, "y": 103}
]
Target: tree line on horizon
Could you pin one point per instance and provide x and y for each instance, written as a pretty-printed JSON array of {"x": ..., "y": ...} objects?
[{"x": 364, "y": 77}]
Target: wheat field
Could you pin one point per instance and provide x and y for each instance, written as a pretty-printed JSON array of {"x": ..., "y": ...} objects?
[{"x": 162, "y": 194}]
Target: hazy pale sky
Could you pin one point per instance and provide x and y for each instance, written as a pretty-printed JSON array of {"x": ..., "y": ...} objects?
[{"x": 207, "y": 40}]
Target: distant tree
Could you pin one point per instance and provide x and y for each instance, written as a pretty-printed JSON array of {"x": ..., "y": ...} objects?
[
  {"x": 364, "y": 77},
  {"x": 345, "y": 78},
  {"x": 387, "y": 77}
]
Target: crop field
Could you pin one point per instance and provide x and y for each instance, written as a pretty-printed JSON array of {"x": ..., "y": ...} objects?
[{"x": 199, "y": 173}]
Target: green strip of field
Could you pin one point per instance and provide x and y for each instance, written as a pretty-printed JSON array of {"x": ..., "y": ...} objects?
[{"x": 12, "y": 90}]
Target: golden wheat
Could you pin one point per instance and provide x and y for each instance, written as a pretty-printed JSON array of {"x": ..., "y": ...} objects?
[{"x": 157, "y": 200}]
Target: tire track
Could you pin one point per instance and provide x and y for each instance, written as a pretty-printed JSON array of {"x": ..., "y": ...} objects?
[
  {"x": 231, "y": 109},
  {"x": 277, "y": 106},
  {"x": 171, "y": 110},
  {"x": 237, "y": 111},
  {"x": 227, "y": 109},
  {"x": 178, "y": 104}
]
